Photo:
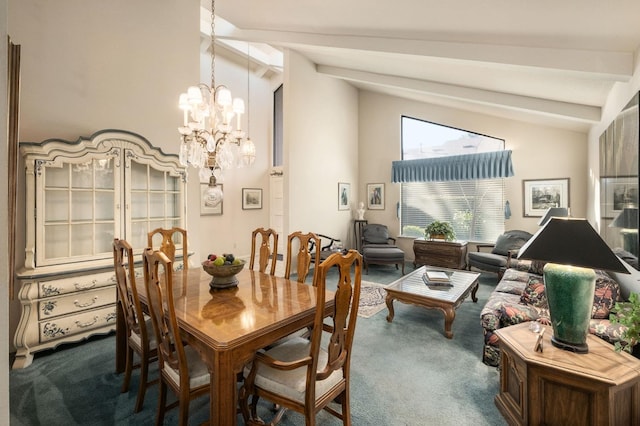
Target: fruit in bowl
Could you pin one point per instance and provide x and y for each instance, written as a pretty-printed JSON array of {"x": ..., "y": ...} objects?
[{"x": 223, "y": 269}]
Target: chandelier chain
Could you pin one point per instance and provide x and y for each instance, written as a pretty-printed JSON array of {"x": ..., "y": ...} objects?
[
  {"x": 213, "y": 45},
  {"x": 248, "y": 88}
]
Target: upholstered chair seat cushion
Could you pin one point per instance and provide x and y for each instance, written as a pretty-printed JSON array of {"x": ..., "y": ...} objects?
[
  {"x": 385, "y": 253},
  {"x": 292, "y": 383},
  {"x": 198, "y": 372},
  {"x": 137, "y": 339},
  {"x": 490, "y": 260}
]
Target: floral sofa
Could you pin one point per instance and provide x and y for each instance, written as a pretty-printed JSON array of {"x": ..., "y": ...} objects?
[{"x": 520, "y": 296}]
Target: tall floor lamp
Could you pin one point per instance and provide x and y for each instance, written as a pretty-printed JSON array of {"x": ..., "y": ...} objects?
[{"x": 572, "y": 250}]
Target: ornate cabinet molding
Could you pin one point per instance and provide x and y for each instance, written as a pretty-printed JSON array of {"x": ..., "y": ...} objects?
[{"x": 79, "y": 196}]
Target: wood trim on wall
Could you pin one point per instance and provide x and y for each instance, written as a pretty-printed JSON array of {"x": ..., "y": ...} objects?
[{"x": 13, "y": 94}]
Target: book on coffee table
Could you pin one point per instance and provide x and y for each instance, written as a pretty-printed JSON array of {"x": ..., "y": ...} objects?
[{"x": 436, "y": 278}]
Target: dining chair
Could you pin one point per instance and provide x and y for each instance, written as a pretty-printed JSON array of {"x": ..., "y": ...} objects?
[
  {"x": 181, "y": 367},
  {"x": 267, "y": 249},
  {"x": 140, "y": 338},
  {"x": 305, "y": 254},
  {"x": 301, "y": 375},
  {"x": 168, "y": 242}
]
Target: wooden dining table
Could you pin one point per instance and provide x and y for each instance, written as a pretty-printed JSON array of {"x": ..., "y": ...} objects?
[{"x": 228, "y": 326}]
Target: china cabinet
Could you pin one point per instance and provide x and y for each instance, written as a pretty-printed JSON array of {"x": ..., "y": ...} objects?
[{"x": 79, "y": 196}]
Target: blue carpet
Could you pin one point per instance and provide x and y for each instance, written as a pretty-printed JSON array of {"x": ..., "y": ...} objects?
[{"x": 403, "y": 373}]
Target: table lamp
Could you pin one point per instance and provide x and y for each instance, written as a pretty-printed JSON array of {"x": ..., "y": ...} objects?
[
  {"x": 627, "y": 220},
  {"x": 553, "y": 212},
  {"x": 572, "y": 249}
]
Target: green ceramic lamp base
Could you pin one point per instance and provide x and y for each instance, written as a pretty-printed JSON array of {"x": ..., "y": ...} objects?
[
  {"x": 580, "y": 348},
  {"x": 569, "y": 291}
]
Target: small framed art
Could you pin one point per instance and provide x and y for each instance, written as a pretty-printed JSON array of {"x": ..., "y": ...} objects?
[
  {"x": 251, "y": 198},
  {"x": 541, "y": 194},
  {"x": 375, "y": 196},
  {"x": 206, "y": 206},
  {"x": 344, "y": 195},
  {"x": 618, "y": 192}
]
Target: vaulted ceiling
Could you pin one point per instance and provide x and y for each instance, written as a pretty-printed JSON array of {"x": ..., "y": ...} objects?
[{"x": 539, "y": 61}]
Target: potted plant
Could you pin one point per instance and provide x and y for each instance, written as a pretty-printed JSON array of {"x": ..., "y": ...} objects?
[
  {"x": 437, "y": 230},
  {"x": 628, "y": 314}
]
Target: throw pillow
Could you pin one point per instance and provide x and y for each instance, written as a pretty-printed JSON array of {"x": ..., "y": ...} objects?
[
  {"x": 512, "y": 240},
  {"x": 537, "y": 267},
  {"x": 516, "y": 314},
  {"x": 534, "y": 294},
  {"x": 606, "y": 295}
]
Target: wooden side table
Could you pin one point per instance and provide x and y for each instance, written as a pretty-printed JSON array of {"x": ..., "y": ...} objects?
[
  {"x": 445, "y": 254},
  {"x": 558, "y": 387}
]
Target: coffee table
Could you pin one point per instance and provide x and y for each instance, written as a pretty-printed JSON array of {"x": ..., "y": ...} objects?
[{"x": 413, "y": 290}]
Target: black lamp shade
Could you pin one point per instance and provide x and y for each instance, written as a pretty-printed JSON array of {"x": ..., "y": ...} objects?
[
  {"x": 553, "y": 212},
  {"x": 568, "y": 241},
  {"x": 628, "y": 218}
]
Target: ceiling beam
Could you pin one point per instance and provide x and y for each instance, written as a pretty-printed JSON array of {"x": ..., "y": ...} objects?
[
  {"x": 583, "y": 113},
  {"x": 613, "y": 66}
]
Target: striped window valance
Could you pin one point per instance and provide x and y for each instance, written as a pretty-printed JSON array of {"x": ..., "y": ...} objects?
[{"x": 484, "y": 165}]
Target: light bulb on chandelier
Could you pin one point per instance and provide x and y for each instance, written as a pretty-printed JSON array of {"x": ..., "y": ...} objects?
[{"x": 209, "y": 140}]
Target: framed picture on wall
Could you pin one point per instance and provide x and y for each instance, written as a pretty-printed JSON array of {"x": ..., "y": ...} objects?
[
  {"x": 344, "y": 196},
  {"x": 206, "y": 207},
  {"x": 618, "y": 193},
  {"x": 251, "y": 198},
  {"x": 540, "y": 194},
  {"x": 375, "y": 196}
]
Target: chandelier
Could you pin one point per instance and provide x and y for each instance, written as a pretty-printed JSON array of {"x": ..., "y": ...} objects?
[{"x": 212, "y": 139}]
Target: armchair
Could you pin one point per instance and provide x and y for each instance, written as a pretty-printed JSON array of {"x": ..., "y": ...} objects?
[
  {"x": 327, "y": 246},
  {"x": 506, "y": 246},
  {"x": 379, "y": 248}
]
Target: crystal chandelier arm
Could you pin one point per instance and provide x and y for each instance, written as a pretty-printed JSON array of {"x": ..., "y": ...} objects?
[{"x": 208, "y": 125}]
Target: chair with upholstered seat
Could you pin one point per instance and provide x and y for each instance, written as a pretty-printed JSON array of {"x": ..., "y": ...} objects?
[
  {"x": 140, "y": 338},
  {"x": 379, "y": 248},
  {"x": 507, "y": 245},
  {"x": 306, "y": 375},
  {"x": 267, "y": 250},
  {"x": 181, "y": 367},
  {"x": 168, "y": 239}
]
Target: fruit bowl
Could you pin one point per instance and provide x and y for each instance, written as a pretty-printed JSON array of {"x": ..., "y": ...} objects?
[{"x": 224, "y": 276}]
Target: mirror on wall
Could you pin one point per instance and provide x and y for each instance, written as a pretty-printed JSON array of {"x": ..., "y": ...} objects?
[{"x": 619, "y": 147}]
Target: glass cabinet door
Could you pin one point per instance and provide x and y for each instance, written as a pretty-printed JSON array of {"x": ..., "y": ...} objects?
[
  {"x": 78, "y": 211},
  {"x": 83, "y": 194},
  {"x": 155, "y": 201}
]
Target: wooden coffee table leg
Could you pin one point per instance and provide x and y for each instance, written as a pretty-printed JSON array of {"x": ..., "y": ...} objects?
[
  {"x": 389, "y": 301},
  {"x": 473, "y": 293},
  {"x": 449, "y": 316}
]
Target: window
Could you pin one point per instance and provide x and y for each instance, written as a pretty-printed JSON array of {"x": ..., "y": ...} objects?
[{"x": 466, "y": 196}]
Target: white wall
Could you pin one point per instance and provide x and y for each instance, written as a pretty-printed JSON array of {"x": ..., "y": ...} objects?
[
  {"x": 4, "y": 267},
  {"x": 538, "y": 153},
  {"x": 91, "y": 65},
  {"x": 321, "y": 148}
]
